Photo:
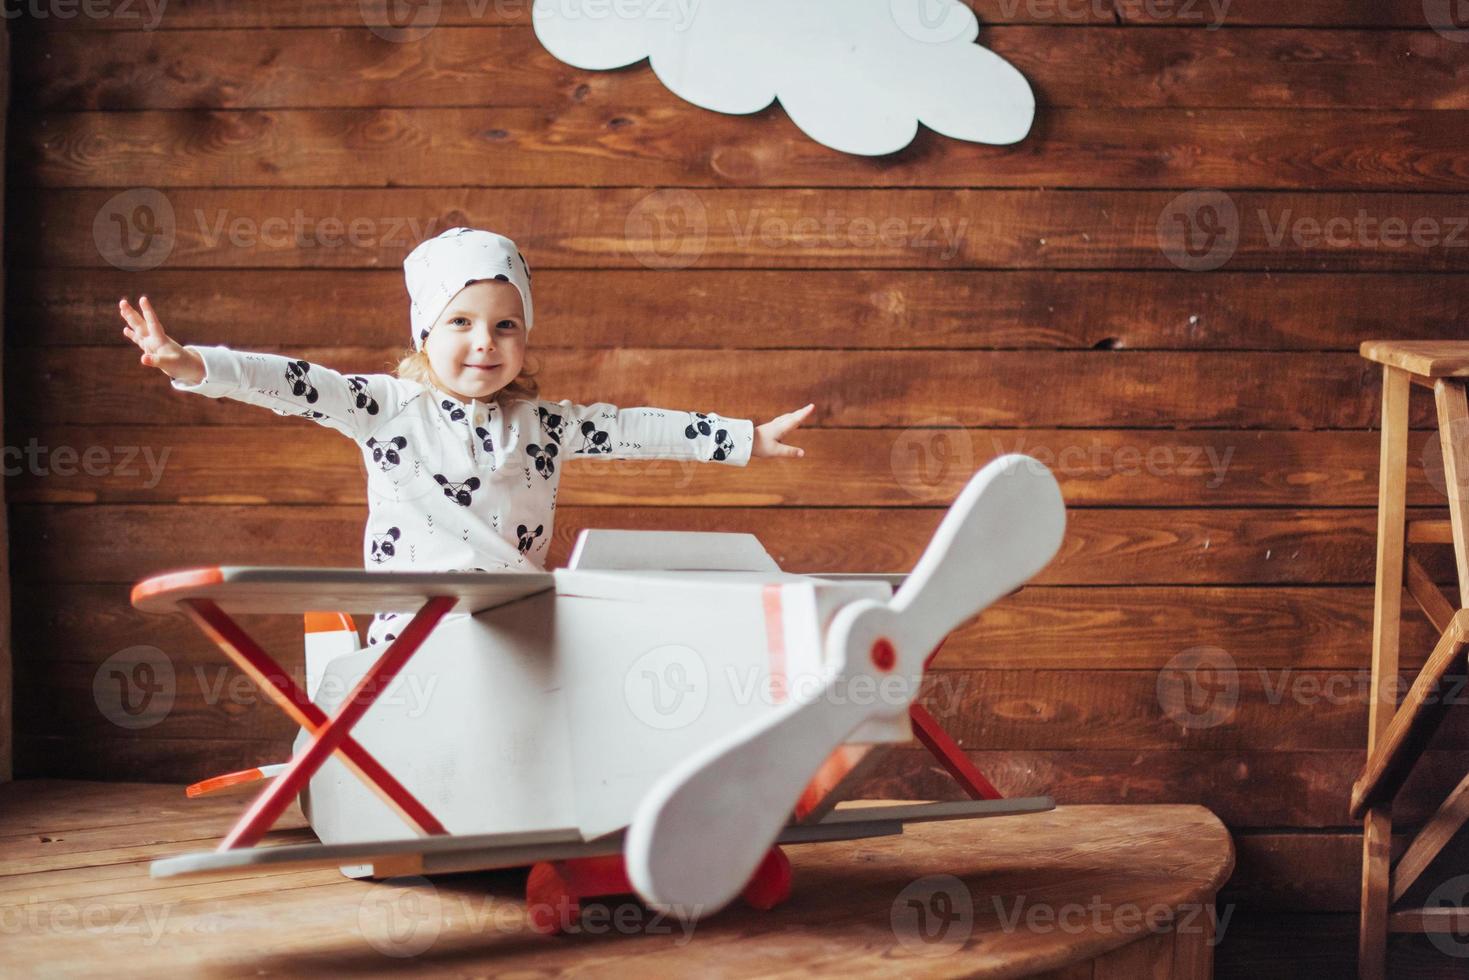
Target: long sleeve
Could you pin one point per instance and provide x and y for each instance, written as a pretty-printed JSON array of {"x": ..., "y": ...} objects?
[
  {"x": 602, "y": 429},
  {"x": 354, "y": 405}
]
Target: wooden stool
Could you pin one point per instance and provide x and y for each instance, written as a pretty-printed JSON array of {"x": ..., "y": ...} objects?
[{"x": 1397, "y": 736}]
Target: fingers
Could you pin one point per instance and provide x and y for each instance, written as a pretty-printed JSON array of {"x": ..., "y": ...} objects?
[
  {"x": 782, "y": 424},
  {"x": 134, "y": 327},
  {"x": 149, "y": 316},
  {"x": 136, "y": 323},
  {"x": 145, "y": 324},
  {"x": 796, "y": 418}
]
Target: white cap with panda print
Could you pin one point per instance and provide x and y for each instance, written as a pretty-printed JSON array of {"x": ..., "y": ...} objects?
[{"x": 438, "y": 268}]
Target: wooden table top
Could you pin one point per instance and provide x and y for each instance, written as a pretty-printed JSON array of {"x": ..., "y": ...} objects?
[{"x": 1005, "y": 896}]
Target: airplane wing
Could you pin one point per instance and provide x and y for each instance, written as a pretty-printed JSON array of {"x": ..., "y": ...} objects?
[
  {"x": 478, "y": 852},
  {"x": 288, "y": 589}
]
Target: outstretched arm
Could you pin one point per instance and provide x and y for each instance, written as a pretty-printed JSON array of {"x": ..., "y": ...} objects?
[
  {"x": 603, "y": 429},
  {"x": 352, "y": 404}
]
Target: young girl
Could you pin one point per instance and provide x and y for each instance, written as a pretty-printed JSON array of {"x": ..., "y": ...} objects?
[{"x": 463, "y": 459}]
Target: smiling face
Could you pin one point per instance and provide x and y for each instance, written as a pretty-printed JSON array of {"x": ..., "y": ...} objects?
[{"x": 477, "y": 345}]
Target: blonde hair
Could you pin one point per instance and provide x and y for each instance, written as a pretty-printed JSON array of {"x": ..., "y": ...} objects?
[{"x": 413, "y": 365}]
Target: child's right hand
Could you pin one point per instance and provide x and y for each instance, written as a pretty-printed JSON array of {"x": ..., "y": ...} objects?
[{"x": 159, "y": 350}]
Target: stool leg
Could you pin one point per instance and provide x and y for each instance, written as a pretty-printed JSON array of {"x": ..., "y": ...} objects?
[
  {"x": 1453, "y": 433},
  {"x": 1386, "y": 616}
]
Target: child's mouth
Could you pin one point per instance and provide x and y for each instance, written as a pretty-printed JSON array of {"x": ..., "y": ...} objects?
[{"x": 483, "y": 367}]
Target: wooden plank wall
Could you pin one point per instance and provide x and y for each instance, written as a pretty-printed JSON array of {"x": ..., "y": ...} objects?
[
  {"x": 1213, "y": 428},
  {"x": 7, "y": 698}
]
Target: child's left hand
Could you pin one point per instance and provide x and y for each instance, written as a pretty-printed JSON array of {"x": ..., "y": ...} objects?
[{"x": 768, "y": 436}]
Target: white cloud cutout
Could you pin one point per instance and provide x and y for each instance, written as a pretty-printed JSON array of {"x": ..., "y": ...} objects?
[{"x": 855, "y": 75}]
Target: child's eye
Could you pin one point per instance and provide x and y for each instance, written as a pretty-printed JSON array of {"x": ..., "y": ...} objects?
[
  {"x": 459, "y": 319},
  {"x": 510, "y": 324}
]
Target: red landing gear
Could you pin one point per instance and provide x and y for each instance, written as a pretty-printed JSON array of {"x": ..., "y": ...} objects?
[{"x": 555, "y": 889}]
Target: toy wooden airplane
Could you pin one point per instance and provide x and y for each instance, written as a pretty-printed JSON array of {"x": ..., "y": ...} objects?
[{"x": 659, "y": 716}]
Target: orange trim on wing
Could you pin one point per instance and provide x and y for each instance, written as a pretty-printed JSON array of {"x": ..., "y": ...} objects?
[
  {"x": 775, "y": 642},
  {"x": 329, "y": 622},
  {"x": 216, "y": 783},
  {"x": 828, "y": 777},
  {"x": 171, "y": 581}
]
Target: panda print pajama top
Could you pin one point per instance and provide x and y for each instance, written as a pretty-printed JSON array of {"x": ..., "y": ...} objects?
[{"x": 455, "y": 485}]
